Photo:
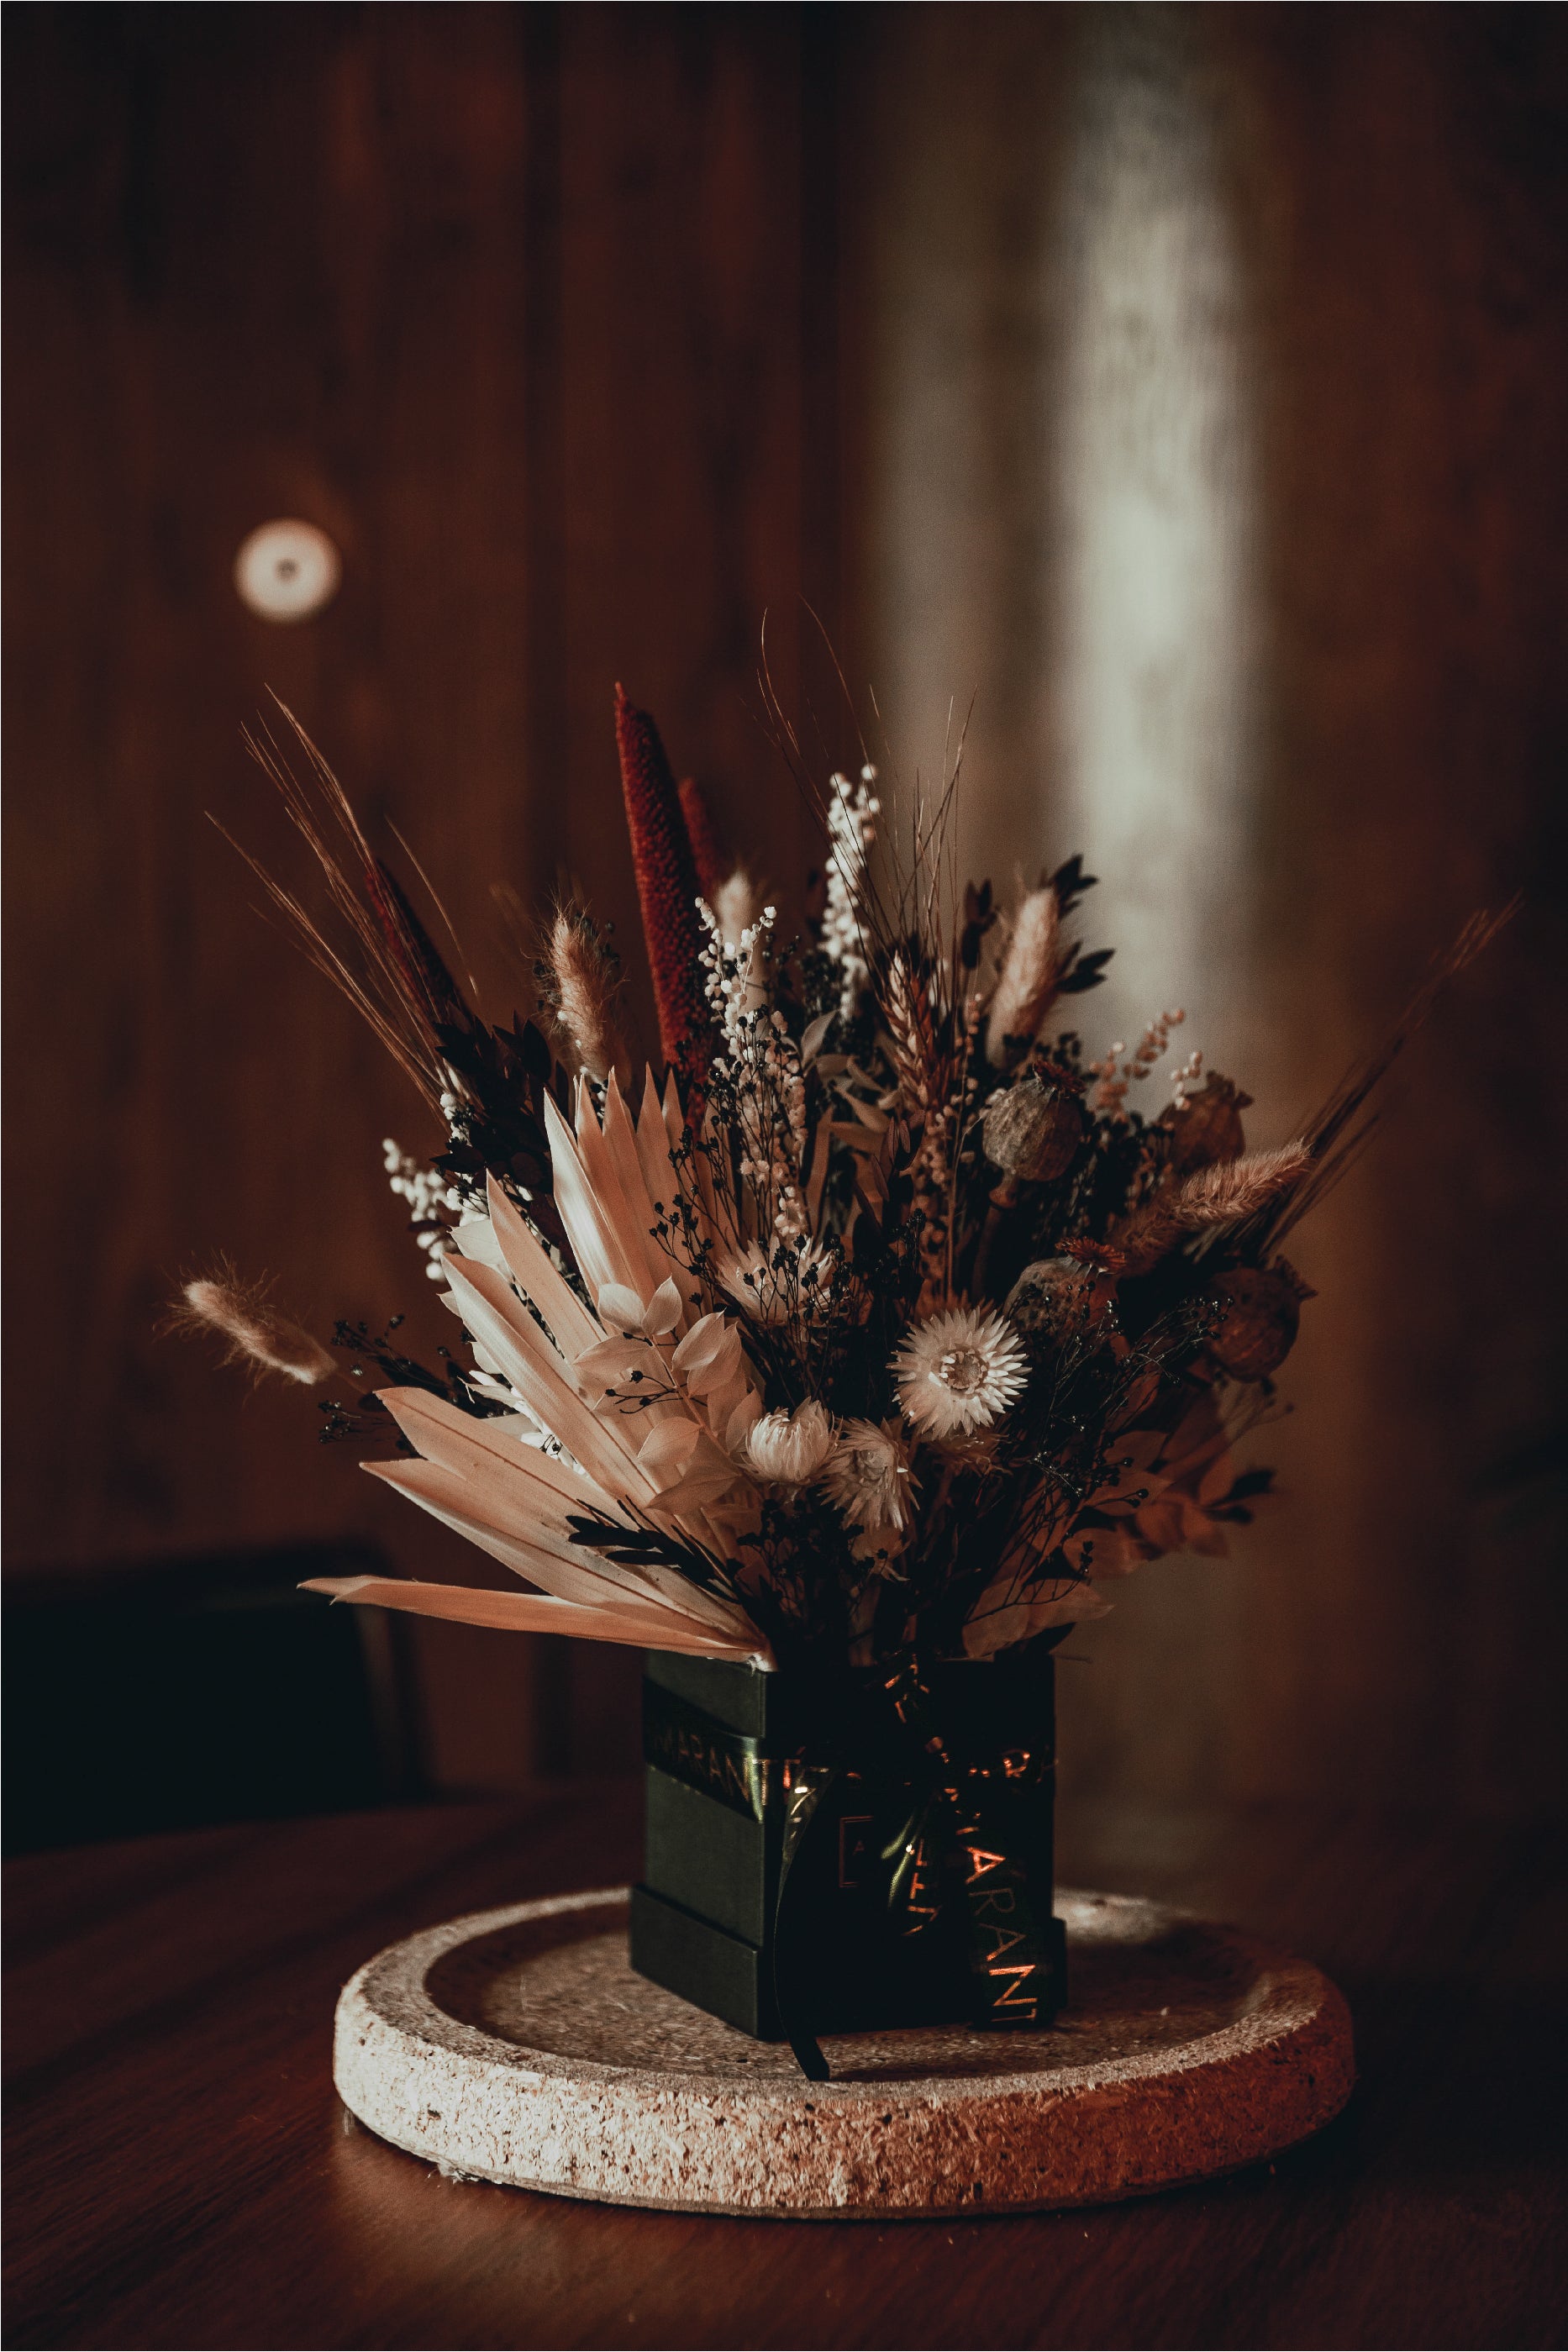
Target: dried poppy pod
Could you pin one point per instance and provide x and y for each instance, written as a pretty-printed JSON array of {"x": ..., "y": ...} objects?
[
  {"x": 1032, "y": 1132},
  {"x": 1259, "y": 1312},
  {"x": 1056, "y": 1297},
  {"x": 1208, "y": 1129}
]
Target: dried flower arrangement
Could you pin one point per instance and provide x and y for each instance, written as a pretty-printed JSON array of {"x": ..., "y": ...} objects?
[
  {"x": 863, "y": 1344},
  {"x": 878, "y": 1322}
]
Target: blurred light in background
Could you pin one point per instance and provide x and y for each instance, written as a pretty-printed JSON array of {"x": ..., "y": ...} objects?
[
  {"x": 1063, "y": 517},
  {"x": 1152, "y": 630},
  {"x": 1061, "y": 510}
]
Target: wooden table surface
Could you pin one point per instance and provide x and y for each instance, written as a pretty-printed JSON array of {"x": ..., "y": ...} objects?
[{"x": 180, "y": 2173}]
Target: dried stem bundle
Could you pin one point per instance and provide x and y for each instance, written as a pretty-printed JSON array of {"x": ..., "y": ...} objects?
[
  {"x": 390, "y": 971},
  {"x": 1339, "y": 1132}
]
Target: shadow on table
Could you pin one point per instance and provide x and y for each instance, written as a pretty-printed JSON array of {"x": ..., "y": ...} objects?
[{"x": 1456, "y": 2080}]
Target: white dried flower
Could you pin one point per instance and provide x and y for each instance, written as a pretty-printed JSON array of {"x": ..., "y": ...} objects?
[
  {"x": 434, "y": 1205},
  {"x": 789, "y": 1448},
  {"x": 852, "y": 814},
  {"x": 868, "y": 1475},
  {"x": 771, "y": 1294},
  {"x": 959, "y": 1372}
]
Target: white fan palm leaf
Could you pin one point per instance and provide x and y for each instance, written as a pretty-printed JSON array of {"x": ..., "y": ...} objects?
[
  {"x": 642, "y": 1398},
  {"x": 536, "y": 1612},
  {"x": 509, "y": 1517},
  {"x": 499, "y": 1320}
]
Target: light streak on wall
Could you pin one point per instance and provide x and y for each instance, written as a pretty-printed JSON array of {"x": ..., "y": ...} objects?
[{"x": 1150, "y": 639}]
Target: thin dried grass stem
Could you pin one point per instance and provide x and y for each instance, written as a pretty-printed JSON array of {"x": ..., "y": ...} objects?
[
  {"x": 390, "y": 971},
  {"x": 1339, "y": 1133}
]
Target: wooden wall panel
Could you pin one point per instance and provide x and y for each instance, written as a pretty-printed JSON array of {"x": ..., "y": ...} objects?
[
  {"x": 1368, "y": 211},
  {"x": 592, "y": 333},
  {"x": 509, "y": 302},
  {"x": 1408, "y": 181}
]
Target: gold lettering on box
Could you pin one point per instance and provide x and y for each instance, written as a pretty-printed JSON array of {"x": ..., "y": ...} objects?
[
  {"x": 854, "y": 1849},
  {"x": 1021, "y": 1999},
  {"x": 718, "y": 1763}
]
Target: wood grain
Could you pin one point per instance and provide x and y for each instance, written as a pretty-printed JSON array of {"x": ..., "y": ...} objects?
[
  {"x": 512, "y": 303},
  {"x": 179, "y": 2172}
]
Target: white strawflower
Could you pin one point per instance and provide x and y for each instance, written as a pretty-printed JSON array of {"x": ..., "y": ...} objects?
[
  {"x": 789, "y": 1448},
  {"x": 868, "y": 1475},
  {"x": 959, "y": 1372}
]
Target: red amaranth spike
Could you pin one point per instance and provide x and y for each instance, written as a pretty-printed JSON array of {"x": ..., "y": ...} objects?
[
  {"x": 714, "y": 865},
  {"x": 666, "y": 889}
]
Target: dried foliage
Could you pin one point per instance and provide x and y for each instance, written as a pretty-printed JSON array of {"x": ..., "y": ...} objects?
[{"x": 879, "y": 1321}]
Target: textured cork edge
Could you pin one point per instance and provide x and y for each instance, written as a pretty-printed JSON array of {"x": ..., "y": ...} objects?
[{"x": 1009, "y": 2142}]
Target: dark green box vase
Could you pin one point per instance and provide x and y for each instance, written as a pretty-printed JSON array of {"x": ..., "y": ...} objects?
[{"x": 874, "y": 1856}]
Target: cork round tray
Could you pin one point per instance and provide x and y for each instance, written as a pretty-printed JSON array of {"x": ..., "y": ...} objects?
[{"x": 518, "y": 2046}]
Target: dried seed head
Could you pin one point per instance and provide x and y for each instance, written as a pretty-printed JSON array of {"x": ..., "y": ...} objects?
[
  {"x": 667, "y": 893},
  {"x": 1031, "y": 971},
  {"x": 708, "y": 851},
  {"x": 735, "y": 903},
  {"x": 1054, "y": 1298},
  {"x": 1033, "y": 1130},
  {"x": 1225, "y": 1195},
  {"x": 1207, "y": 1128},
  {"x": 1259, "y": 1314}
]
